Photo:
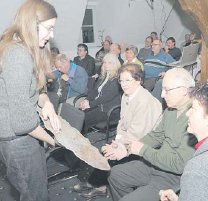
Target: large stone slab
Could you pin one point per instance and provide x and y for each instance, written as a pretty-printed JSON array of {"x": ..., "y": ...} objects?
[{"x": 73, "y": 140}]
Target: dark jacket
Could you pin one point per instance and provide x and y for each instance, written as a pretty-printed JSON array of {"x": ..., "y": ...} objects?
[
  {"x": 88, "y": 63},
  {"x": 110, "y": 95}
]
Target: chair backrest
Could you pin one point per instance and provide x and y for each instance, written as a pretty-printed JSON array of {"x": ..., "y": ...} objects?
[{"x": 189, "y": 55}]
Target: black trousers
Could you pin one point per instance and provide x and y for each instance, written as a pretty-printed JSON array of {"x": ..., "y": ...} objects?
[
  {"x": 92, "y": 117},
  {"x": 100, "y": 177}
]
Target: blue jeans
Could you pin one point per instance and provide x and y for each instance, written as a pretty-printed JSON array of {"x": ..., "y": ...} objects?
[{"x": 26, "y": 167}]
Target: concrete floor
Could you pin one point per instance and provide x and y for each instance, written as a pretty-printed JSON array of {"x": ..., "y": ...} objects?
[{"x": 60, "y": 186}]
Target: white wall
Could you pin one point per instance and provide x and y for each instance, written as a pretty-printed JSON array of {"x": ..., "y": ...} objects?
[
  {"x": 68, "y": 26},
  {"x": 70, "y": 17},
  {"x": 8, "y": 9},
  {"x": 131, "y": 21},
  {"x": 126, "y": 21}
]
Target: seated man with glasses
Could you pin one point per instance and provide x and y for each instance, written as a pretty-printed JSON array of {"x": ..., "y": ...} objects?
[
  {"x": 155, "y": 66},
  {"x": 163, "y": 152},
  {"x": 157, "y": 61},
  {"x": 193, "y": 184}
]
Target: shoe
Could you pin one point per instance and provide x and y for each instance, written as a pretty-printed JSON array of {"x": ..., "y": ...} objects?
[
  {"x": 82, "y": 187},
  {"x": 94, "y": 193}
]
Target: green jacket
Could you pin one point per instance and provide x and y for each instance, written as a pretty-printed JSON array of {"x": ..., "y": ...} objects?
[{"x": 169, "y": 146}]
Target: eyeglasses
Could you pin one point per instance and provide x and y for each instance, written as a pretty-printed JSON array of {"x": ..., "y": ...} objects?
[
  {"x": 171, "y": 89},
  {"x": 49, "y": 29},
  {"x": 155, "y": 44},
  {"x": 127, "y": 81}
]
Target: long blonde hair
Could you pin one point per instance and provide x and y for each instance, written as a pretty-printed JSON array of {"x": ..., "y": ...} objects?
[
  {"x": 24, "y": 30},
  {"x": 114, "y": 59}
]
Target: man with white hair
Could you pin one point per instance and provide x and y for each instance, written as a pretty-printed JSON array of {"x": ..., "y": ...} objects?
[{"x": 163, "y": 152}]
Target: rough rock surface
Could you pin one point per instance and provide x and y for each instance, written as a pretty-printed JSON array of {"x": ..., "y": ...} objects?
[{"x": 73, "y": 140}]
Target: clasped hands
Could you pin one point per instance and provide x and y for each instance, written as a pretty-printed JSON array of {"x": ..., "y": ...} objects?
[
  {"x": 168, "y": 195},
  {"x": 65, "y": 77},
  {"x": 117, "y": 150},
  {"x": 84, "y": 104}
]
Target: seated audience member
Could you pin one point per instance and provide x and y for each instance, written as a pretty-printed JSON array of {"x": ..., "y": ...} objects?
[
  {"x": 52, "y": 86},
  {"x": 116, "y": 49},
  {"x": 135, "y": 101},
  {"x": 104, "y": 95},
  {"x": 99, "y": 57},
  {"x": 187, "y": 41},
  {"x": 193, "y": 38},
  {"x": 74, "y": 76},
  {"x": 146, "y": 50},
  {"x": 157, "y": 60},
  {"x": 171, "y": 48},
  {"x": 154, "y": 36},
  {"x": 163, "y": 152},
  {"x": 194, "y": 180},
  {"x": 154, "y": 67},
  {"x": 131, "y": 53},
  {"x": 54, "y": 53},
  {"x": 108, "y": 38},
  {"x": 85, "y": 60}
]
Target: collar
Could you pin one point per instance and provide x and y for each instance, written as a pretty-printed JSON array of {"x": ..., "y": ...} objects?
[
  {"x": 157, "y": 53},
  {"x": 197, "y": 145},
  {"x": 184, "y": 107},
  {"x": 82, "y": 58},
  {"x": 130, "y": 97},
  {"x": 133, "y": 61}
]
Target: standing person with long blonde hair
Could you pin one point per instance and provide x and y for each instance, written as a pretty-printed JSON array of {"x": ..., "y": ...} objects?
[{"x": 24, "y": 59}]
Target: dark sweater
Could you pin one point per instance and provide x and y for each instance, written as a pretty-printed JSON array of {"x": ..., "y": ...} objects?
[
  {"x": 88, "y": 63},
  {"x": 110, "y": 95}
]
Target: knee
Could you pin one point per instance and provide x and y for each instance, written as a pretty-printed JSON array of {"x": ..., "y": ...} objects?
[{"x": 114, "y": 174}]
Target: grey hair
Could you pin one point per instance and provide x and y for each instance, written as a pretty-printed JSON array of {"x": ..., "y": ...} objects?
[
  {"x": 183, "y": 76},
  {"x": 62, "y": 58},
  {"x": 133, "y": 48}
]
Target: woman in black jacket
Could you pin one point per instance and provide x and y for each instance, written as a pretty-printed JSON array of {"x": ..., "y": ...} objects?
[{"x": 104, "y": 95}]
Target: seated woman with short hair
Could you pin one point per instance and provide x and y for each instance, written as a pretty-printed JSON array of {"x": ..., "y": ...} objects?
[
  {"x": 139, "y": 114},
  {"x": 104, "y": 95},
  {"x": 131, "y": 56}
]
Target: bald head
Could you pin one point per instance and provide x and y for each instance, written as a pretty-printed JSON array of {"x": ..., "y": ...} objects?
[
  {"x": 115, "y": 49},
  {"x": 181, "y": 77}
]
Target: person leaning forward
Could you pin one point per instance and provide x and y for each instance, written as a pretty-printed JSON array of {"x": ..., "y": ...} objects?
[{"x": 163, "y": 152}]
